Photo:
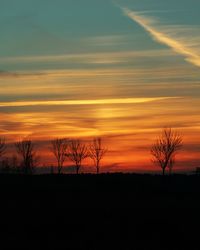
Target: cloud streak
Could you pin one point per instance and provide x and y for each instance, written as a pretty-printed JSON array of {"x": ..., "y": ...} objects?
[
  {"x": 163, "y": 37},
  {"x": 83, "y": 102},
  {"x": 118, "y": 56}
]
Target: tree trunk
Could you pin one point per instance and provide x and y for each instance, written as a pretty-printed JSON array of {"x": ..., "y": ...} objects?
[
  {"x": 59, "y": 169},
  {"x": 97, "y": 168},
  {"x": 163, "y": 171}
]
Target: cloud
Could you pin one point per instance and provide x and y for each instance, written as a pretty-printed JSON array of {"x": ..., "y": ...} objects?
[
  {"x": 4, "y": 74},
  {"x": 107, "y": 40},
  {"x": 83, "y": 102},
  {"x": 181, "y": 46},
  {"x": 97, "y": 59},
  {"x": 89, "y": 58}
]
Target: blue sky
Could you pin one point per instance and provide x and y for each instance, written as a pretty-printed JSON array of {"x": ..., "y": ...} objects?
[{"x": 35, "y": 28}]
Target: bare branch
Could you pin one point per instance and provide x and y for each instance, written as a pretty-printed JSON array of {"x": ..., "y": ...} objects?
[
  {"x": 2, "y": 147},
  {"x": 77, "y": 152},
  {"x": 97, "y": 152},
  {"x": 59, "y": 149},
  {"x": 165, "y": 148},
  {"x": 25, "y": 150},
  {"x": 171, "y": 163}
]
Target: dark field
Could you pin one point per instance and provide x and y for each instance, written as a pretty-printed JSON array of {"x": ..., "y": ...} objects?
[{"x": 100, "y": 212}]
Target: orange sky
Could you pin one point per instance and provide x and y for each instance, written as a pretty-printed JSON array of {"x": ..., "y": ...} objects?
[{"x": 128, "y": 124}]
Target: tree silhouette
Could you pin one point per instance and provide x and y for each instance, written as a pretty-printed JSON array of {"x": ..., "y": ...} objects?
[
  {"x": 171, "y": 164},
  {"x": 14, "y": 162},
  {"x": 97, "y": 152},
  {"x": 165, "y": 148},
  {"x": 77, "y": 152},
  {"x": 2, "y": 147},
  {"x": 25, "y": 150},
  {"x": 59, "y": 149},
  {"x": 9, "y": 165},
  {"x": 5, "y": 166}
]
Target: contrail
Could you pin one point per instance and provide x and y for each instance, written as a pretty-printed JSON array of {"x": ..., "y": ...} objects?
[
  {"x": 163, "y": 38},
  {"x": 84, "y": 102}
]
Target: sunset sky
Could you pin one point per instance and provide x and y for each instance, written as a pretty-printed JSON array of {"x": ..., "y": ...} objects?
[{"x": 121, "y": 70}]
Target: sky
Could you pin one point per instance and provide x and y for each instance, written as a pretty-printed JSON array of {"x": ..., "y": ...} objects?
[{"x": 121, "y": 70}]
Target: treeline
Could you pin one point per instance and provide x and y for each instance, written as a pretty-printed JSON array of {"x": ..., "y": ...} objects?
[{"x": 26, "y": 159}]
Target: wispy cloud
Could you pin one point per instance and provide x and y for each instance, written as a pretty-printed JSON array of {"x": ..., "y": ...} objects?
[
  {"x": 107, "y": 40},
  {"x": 119, "y": 56},
  {"x": 160, "y": 34},
  {"x": 82, "y": 102}
]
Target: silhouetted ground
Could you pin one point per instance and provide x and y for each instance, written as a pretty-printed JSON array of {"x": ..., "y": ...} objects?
[{"x": 100, "y": 212}]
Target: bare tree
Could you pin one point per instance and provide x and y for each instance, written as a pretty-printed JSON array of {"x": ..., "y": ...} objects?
[
  {"x": 166, "y": 146},
  {"x": 77, "y": 152},
  {"x": 2, "y": 147},
  {"x": 14, "y": 163},
  {"x": 171, "y": 164},
  {"x": 10, "y": 165},
  {"x": 5, "y": 166},
  {"x": 26, "y": 151},
  {"x": 97, "y": 152},
  {"x": 59, "y": 149}
]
